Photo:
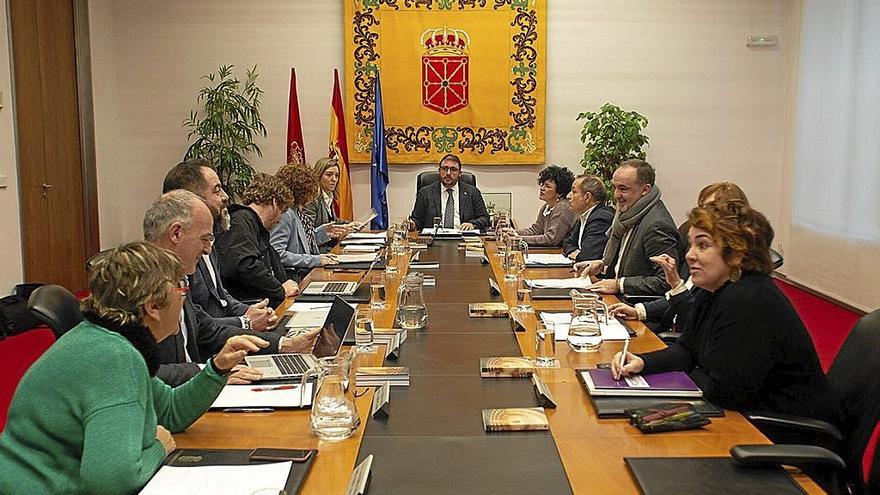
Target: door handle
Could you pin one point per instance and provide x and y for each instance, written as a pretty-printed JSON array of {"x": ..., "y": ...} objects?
[{"x": 45, "y": 188}]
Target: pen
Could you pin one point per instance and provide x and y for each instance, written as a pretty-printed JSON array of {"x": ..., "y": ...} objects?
[
  {"x": 279, "y": 387},
  {"x": 248, "y": 409},
  {"x": 623, "y": 354}
]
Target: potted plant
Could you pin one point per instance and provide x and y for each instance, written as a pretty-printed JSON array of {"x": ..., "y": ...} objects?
[
  {"x": 611, "y": 136},
  {"x": 225, "y": 126}
]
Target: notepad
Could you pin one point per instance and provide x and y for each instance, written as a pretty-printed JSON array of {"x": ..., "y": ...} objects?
[
  {"x": 559, "y": 283},
  {"x": 218, "y": 480},
  {"x": 233, "y": 396},
  {"x": 668, "y": 384},
  {"x": 548, "y": 260}
]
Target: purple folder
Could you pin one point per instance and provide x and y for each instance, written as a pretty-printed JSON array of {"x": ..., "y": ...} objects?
[{"x": 668, "y": 384}]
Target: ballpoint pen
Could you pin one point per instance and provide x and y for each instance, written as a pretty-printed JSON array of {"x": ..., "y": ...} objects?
[
  {"x": 279, "y": 387},
  {"x": 623, "y": 355}
]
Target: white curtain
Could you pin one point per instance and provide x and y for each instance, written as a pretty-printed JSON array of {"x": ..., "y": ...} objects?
[{"x": 834, "y": 243}]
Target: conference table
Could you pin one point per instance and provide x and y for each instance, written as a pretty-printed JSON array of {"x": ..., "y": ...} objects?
[{"x": 433, "y": 439}]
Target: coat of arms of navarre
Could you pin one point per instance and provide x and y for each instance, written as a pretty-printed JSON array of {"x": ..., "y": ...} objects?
[{"x": 445, "y": 69}]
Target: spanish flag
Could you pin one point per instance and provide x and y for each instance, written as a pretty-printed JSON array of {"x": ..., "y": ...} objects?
[{"x": 339, "y": 150}]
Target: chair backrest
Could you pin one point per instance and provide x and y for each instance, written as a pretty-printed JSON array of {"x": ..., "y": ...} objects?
[
  {"x": 427, "y": 178},
  {"x": 855, "y": 379},
  {"x": 776, "y": 258},
  {"x": 56, "y": 307}
]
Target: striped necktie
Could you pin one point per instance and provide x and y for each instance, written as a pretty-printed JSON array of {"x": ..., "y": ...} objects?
[{"x": 449, "y": 214}]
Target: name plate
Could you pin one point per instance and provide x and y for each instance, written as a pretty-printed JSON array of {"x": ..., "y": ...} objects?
[
  {"x": 357, "y": 485},
  {"x": 516, "y": 322},
  {"x": 392, "y": 350},
  {"x": 493, "y": 287},
  {"x": 545, "y": 399},
  {"x": 380, "y": 402}
]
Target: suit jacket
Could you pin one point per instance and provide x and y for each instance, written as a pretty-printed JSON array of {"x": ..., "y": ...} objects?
[
  {"x": 320, "y": 215},
  {"x": 205, "y": 336},
  {"x": 655, "y": 234},
  {"x": 214, "y": 299},
  {"x": 249, "y": 267},
  {"x": 592, "y": 243},
  {"x": 471, "y": 207},
  {"x": 288, "y": 238}
]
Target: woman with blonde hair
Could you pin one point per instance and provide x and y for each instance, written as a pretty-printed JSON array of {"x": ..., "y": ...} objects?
[
  {"x": 90, "y": 416},
  {"x": 323, "y": 211}
]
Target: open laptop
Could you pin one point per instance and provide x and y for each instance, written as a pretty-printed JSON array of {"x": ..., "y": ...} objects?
[
  {"x": 338, "y": 287},
  {"x": 340, "y": 319}
]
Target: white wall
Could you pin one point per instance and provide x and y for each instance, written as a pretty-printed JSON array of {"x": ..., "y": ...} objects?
[
  {"x": 716, "y": 108},
  {"x": 11, "y": 266}
]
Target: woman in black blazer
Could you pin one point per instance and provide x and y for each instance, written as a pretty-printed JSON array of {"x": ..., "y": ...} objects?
[
  {"x": 742, "y": 342},
  {"x": 324, "y": 208}
]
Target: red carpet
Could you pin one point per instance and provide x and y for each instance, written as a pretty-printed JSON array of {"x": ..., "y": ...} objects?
[{"x": 827, "y": 323}]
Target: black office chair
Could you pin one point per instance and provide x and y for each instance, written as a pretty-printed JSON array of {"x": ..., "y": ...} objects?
[
  {"x": 854, "y": 378},
  {"x": 776, "y": 258},
  {"x": 56, "y": 307},
  {"x": 427, "y": 178}
]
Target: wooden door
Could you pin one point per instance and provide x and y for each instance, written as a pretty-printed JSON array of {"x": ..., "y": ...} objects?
[{"x": 59, "y": 215}]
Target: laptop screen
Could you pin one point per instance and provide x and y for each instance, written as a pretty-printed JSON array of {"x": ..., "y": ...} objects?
[{"x": 334, "y": 329}]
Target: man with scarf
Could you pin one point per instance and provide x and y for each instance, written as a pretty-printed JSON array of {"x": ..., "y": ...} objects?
[{"x": 642, "y": 228}]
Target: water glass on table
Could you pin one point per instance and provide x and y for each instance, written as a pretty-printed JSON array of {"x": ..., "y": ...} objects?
[
  {"x": 514, "y": 266},
  {"x": 377, "y": 291},
  {"x": 545, "y": 344},
  {"x": 436, "y": 224},
  {"x": 524, "y": 300},
  {"x": 363, "y": 331}
]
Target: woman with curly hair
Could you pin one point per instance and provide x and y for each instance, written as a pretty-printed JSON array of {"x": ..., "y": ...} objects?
[
  {"x": 742, "y": 342},
  {"x": 295, "y": 237},
  {"x": 249, "y": 266},
  {"x": 79, "y": 427},
  {"x": 555, "y": 218}
]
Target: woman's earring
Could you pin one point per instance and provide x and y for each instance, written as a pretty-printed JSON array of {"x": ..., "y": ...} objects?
[{"x": 736, "y": 274}]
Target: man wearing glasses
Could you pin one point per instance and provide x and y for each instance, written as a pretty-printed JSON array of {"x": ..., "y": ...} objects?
[{"x": 459, "y": 205}]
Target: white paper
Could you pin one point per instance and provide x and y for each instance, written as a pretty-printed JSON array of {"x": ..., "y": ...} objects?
[
  {"x": 548, "y": 259},
  {"x": 307, "y": 306},
  {"x": 361, "y": 248},
  {"x": 613, "y": 330},
  {"x": 308, "y": 319},
  {"x": 218, "y": 480},
  {"x": 380, "y": 236},
  {"x": 245, "y": 396},
  {"x": 349, "y": 242},
  {"x": 440, "y": 231},
  {"x": 559, "y": 283},
  {"x": 355, "y": 258}
]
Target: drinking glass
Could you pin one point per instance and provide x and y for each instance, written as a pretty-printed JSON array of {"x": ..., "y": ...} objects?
[
  {"x": 524, "y": 300},
  {"x": 377, "y": 291},
  {"x": 363, "y": 332},
  {"x": 436, "y": 224},
  {"x": 515, "y": 265},
  {"x": 545, "y": 344},
  {"x": 390, "y": 262}
]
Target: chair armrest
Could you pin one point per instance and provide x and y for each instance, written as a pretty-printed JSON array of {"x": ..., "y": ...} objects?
[
  {"x": 669, "y": 337},
  {"x": 800, "y": 456},
  {"x": 796, "y": 424}
]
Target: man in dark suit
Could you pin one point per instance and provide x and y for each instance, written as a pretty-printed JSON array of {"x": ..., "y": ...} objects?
[
  {"x": 587, "y": 239},
  {"x": 206, "y": 287},
  {"x": 459, "y": 205},
  {"x": 642, "y": 228},
  {"x": 181, "y": 222}
]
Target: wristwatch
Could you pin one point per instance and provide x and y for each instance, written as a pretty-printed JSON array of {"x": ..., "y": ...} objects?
[{"x": 246, "y": 322}]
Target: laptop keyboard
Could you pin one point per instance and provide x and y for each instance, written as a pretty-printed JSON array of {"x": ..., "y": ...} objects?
[
  {"x": 334, "y": 287},
  {"x": 291, "y": 364}
]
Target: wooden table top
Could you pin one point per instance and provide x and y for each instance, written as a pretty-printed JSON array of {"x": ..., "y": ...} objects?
[{"x": 591, "y": 450}]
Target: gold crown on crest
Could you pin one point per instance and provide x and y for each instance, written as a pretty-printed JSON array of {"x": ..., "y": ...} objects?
[{"x": 445, "y": 41}]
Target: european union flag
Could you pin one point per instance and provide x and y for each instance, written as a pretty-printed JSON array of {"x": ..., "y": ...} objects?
[{"x": 379, "y": 166}]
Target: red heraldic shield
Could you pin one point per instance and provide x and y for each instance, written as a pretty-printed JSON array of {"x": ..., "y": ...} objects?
[{"x": 445, "y": 83}]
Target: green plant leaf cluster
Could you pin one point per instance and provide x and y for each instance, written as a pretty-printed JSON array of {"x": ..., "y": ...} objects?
[
  {"x": 611, "y": 136},
  {"x": 225, "y": 126}
]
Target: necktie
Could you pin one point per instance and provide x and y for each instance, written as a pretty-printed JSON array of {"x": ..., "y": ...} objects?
[{"x": 449, "y": 214}]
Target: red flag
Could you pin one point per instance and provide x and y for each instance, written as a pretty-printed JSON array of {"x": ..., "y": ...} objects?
[
  {"x": 296, "y": 150},
  {"x": 339, "y": 150}
]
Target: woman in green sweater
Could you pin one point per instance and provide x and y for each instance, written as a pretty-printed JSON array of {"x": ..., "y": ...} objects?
[{"x": 89, "y": 416}]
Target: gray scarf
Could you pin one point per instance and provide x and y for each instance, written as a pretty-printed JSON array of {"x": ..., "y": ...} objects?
[{"x": 624, "y": 222}]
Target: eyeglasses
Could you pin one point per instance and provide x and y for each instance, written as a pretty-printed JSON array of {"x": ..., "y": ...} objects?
[
  {"x": 183, "y": 288},
  {"x": 207, "y": 238},
  {"x": 449, "y": 170}
]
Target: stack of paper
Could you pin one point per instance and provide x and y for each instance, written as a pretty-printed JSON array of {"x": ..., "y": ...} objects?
[
  {"x": 368, "y": 241},
  {"x": 372, "y": 376},
  {"x": 355, "y": 258},
  {"x": 383, "y": 335},
  {"x": 613, "y": 330},
  {"x": 361, "y": 248},
  {"x": 219, "y": 480},
  {"x": 559, "y": 283},
  {"x": 378, "y": 236},
  {"x": 548, "y": 259},
  {"x": 262, "y": 396}
]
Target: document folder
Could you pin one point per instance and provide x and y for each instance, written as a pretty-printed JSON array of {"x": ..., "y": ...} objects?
[{"x": 701, "y": 475}]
